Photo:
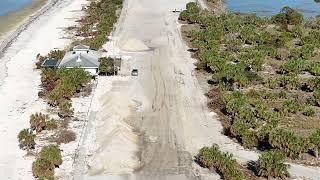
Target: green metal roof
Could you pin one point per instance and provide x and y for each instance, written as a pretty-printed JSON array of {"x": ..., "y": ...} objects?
[{"x": 50, "y": 63}]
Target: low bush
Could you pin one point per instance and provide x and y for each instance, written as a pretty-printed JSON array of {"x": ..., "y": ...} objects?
[
  {"x": 223, "y": 163},
  {"x": 308, "y": 111},
  {"x": 64, "y": 137},
  {"x": 43, "y": 169},
  {"x": 52, "y": 154},
  {"x": 315, "y": 142},
  {"x": 290, "y": 106},
  {"x": 314, "y": 100},
  {"x": 272, "y": 165},
  {"x": 315, "y": 69},
  {"x": 287, "y": 142}
]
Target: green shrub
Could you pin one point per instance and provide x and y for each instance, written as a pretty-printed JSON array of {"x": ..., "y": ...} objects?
[
  {"x": 67, "y": 83},
  {"x": 315, "y": 141},
  {"x": 43, "y": 169},
  {"x": 272, "y": 164},
  {"x": 290, "y": 106},
  {"x": 52, "y": 154},
  {"x": 106, "y": 65},
  {"x": 313, "y": 84},
  {"x": 243, "y": 131},
  {"x": 26, "y": 139},
  {"x": 314, "y": 100},
  {"x": 223, "y": 162},
  {"x": 295, "y": 66},
  {"x": 192, "y": 8},
  {"x": 315, "y": 69},
  {"x": 287, "y": 142},
  {"x": 308, "y": 111}
]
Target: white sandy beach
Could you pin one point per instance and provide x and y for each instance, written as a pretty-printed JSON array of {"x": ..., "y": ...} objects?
[{"x": 18, "y": 92}]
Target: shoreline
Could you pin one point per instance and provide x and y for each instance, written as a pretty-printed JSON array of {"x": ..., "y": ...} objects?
[
  {"x": 41, "y": 33},
  {"x": 8, "y": 37},
  {"x": 13, "y": 19},
  {"x": 11, "y": 36}
]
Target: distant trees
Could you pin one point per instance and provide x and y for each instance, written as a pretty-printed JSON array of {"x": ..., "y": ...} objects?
[{"x": 288, "y": 16}]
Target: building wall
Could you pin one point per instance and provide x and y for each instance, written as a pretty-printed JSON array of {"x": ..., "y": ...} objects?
[{"x": 92, "y": 71}]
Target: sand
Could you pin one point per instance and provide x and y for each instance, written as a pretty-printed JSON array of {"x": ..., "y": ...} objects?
[
  {"x": 134, "y": 45},
  {"x": 18, "y": 92},
  {"x": 117, "y": 143}
]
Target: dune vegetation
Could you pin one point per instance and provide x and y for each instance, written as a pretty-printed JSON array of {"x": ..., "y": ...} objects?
[
  {"x": 265, "y": 77},
  {"x": 58, "y": 86},
  {"x": 98, "y": 22}
]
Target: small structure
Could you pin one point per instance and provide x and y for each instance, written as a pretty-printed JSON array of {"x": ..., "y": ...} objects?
[
  {"x": 50, "y": 63},
  {"x": 82, "y": 57}
]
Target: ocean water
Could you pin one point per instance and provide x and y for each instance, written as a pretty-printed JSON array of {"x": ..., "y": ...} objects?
[
  {"x": 7, "y": 6},
  {"x": 270, "y": 7}
]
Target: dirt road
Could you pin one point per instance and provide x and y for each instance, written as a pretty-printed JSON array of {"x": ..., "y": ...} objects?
[{"x": 172, "y": 114}]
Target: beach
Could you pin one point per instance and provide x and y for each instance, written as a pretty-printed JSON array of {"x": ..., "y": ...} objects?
[
  {"x": 20, "y": 81},
  {"x": 13, "y": 13}
]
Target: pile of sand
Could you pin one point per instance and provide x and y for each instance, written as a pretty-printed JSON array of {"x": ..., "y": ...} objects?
[
  {"x": 118, "y": 144},
  {"x": 134, "y": 45}
]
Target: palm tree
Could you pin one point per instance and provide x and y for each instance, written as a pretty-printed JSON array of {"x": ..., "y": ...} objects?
[
  {"x": 26, "y": 139},
  {"x": 38, "y": 121},
  {"x": 65, "y": 109}
]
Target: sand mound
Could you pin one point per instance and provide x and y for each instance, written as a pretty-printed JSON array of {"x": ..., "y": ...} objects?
[
  {"x": 134, "y": 45},
  {"x": 117, "y": 142}
]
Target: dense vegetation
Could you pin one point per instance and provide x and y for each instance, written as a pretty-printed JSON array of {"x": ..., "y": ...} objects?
[
  {"x": 58, "y": 86},
  {"x": 265, "y": 76},
  {"x": 98, "y": 22},
  {"x": 223, "y": 163}
]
